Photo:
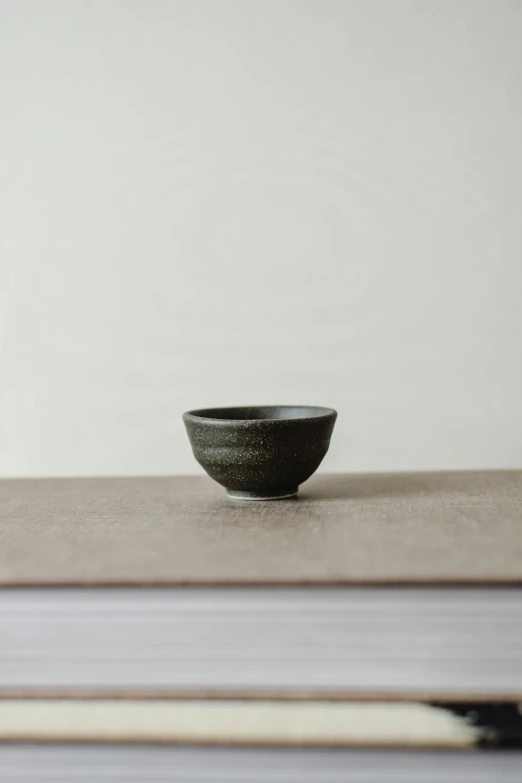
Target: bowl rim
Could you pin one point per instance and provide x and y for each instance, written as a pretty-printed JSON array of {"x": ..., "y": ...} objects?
[{"x": 205, "y": 414}]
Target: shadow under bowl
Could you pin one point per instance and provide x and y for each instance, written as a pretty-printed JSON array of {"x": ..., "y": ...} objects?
[{"x": 260, "y": 452}]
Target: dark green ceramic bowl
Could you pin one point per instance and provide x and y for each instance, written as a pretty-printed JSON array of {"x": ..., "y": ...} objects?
[{"x": 262, "y": 452}]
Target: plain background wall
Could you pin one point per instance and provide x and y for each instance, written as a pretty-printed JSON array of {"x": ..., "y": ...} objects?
[{"x": 211, "y": 202}]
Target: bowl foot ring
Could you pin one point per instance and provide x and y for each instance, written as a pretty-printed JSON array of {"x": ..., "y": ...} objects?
[{"x": 281, "y": 495}]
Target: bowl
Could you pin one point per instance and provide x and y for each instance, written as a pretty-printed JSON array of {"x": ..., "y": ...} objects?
[{"x": 260, "y": 452}]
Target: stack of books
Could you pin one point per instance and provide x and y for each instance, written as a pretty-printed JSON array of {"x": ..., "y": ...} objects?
[{"x": 152, "y": 629}]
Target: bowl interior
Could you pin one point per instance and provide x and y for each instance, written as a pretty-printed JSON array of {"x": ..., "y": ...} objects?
[{"x": 263, "y": 412}]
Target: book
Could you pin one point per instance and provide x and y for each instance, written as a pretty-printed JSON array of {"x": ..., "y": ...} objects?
[
  {"x": 409, "y": 528},
  {"x": 222, "y": 722},
  {"x": 160, "y": 602},
  {"x": 311, "y": 642},
  {"x": 30, "y": 763},
  {"x": 262, "y": 723}
]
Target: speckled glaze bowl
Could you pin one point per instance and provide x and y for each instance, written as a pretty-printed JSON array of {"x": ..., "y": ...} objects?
[{"x": 262, "y": 452}]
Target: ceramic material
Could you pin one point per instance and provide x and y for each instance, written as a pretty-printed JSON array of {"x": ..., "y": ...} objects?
[{"x": 263, "y": 452}]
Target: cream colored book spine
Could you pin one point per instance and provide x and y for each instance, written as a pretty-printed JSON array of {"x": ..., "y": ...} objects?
[{"x": 237, "y": 723}]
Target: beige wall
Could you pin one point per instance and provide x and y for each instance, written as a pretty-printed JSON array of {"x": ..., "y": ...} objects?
[{"x": 207, "y": 202}]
